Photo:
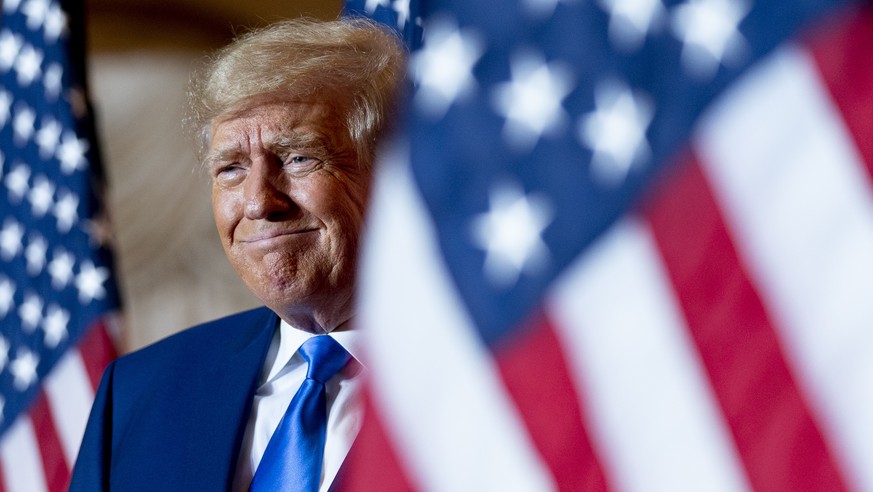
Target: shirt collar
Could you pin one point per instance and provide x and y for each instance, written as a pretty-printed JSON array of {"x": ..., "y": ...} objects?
[{"x": 290, "y": 340}]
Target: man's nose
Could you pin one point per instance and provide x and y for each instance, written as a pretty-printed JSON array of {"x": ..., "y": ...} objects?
[{"x": 263, "y": 191}]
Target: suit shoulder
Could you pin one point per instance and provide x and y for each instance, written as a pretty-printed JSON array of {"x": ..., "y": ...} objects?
[{"x": 204, "y": 341}]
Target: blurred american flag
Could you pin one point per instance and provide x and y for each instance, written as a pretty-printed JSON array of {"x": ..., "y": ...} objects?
[
  {"x": 624, "y": 245},
  {"x": 57, "y": 293}
]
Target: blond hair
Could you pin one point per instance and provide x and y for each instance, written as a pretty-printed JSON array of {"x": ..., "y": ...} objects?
[{"x": 351, "y": 63}]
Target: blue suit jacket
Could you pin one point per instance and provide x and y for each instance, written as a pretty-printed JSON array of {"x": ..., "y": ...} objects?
[{"x": 172, "y": 415}]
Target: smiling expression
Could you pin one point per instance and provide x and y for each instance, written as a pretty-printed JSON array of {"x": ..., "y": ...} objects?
[{"x": 288, "y": 197}]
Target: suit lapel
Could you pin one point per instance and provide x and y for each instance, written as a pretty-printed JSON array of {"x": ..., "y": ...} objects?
[{"x": 222, "y": 402}]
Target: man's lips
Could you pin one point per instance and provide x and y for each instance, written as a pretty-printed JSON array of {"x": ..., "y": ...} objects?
[{"x": 268, "y": 236}]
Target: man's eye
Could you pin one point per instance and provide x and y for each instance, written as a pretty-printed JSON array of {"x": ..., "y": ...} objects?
[
  {"x": 228, "y": 173},
  {"x": 302, "y": 164},
  {"x": 226, "y": 169}
]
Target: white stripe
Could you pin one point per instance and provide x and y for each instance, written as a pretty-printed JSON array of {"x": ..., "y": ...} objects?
[
  {"x": 70, "y": 395},
  {"x": 653, "y": 417},
  {"x": 22, "y": 463},
  {"x": 799, "y": 204},
  {"x": 438, "y": 393}
]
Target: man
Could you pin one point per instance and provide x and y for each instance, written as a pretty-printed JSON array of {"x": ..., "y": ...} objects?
[{"x": 287, "y": 119}]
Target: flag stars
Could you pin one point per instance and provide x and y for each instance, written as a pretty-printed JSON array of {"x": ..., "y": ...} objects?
[
  {"x": 4, "y": 352},
  {"x": 443, "y": 68},
  {"x": 371, "y": 5},
  {"x": 35, "y": 11},
  {"x": 532, "y": 101},
  {"x": 22, "y": 124},
  {"x": 7, "y": 297},
  {"x": 616, "y": 131},
  {"x": 30, "y": 312},
  {"x": 401, "y": 8},
  {"x": 41, "y": 196},
  {"x": 5, "y": 107},
  {"x": 28, "y": 65},
  {"x": 55, "y": 326},
  {"x": 709, "y": 32},
  {"x": 17, "y": 182},
  {"x": 10, "y": 239},
  {"x": 65, "y": 211},
  {"x": 23, "y": 369},
  {"x": 60, "y": 269},
  {"x": 90, "y": 282},
  {"x": 510, "y": 234},
  {"x": 55, "y": 24},
  {"x": 52, "y": 81},
  {"x": 542, "y": 9},
  {"x": 631, "y": 20},
  {"x": 47, "y": 137},
  {"x": 10, "y": 45},
  {"x": 71, "y": 153},
  {"x": 35, "y": 255}
]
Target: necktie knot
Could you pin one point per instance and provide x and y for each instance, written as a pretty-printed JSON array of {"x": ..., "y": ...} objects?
[{"x": 325, "y": 357}]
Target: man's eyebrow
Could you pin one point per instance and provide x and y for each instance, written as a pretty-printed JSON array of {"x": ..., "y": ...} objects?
[
  {"x": 299, "y": 140},
  {"x": 220, "y": 155}
]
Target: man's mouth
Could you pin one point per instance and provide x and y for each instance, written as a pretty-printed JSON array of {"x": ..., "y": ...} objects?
[{"x": 270, "y": 236}]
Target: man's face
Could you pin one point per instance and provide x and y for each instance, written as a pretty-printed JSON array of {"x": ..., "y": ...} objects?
[{"x": 288, "y": 197}]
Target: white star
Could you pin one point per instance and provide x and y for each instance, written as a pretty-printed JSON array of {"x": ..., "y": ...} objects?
[
  {"x": 48, "y": 136},
  {"x": 4, "y": 352},
  {"x": 631, "y": 20},
  {"x": 61, "y": 268},
  {"x": 30, "y": 312},
  {"x": 708, "y": 30},
  {"x": 22, "y": 123},
  {"x": 90, "y": 281},
  {"x": 34, "y": 253},
  {"x": 5, "y": 107},
  {"x": 510, "y": 233},
  {"x": 55, "y": 24},
  {"x": 531, "y": 102},
  {"x": 7, "y": 294},
  {"x": 401, "y": 7},
  {"x": 10, "y": 6},
  {"x": 443, "y": 68},
  {"x": 16, "y": 182},
  {"x": 52, "y": 80},
  {"x": 10, "y": 239},
  {"x": 55, "y": 326},
  {"x": 371, "y": 5},
  {"x": 35, "y": 11},
  {"x": 616, "y": 131},
  {"x": 28, "y": 65},
  {"x": 543, "y": 8},
  {"x": 71, "y": 153},
  {"x": 23, "y": 369},
  {"x": 10, "y": 45},
  {"x": 66, "y": 210},
  {"x": 41, "y": 196}
]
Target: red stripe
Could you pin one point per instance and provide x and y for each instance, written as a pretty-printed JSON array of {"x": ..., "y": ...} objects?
[
  {"x": 842, "y": 52},
  {"x": 534, "y": 371},
  {"x": 372, "y": 463},
  {"x": 57, "y": 471},
  {"x": 777, "y": 438},
  {"x": 97, "y": 351}
]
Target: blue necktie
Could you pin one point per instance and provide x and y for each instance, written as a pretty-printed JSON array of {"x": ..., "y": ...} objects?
[{"x": 293, "y": 458}]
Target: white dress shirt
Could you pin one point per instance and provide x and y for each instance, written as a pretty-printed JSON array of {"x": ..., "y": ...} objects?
[{"x": 283, "y": 374}]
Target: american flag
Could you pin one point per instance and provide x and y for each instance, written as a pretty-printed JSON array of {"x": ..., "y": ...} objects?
[
  {"x": 56, "y": 287},
  {"x": 624, "y": 245}
]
